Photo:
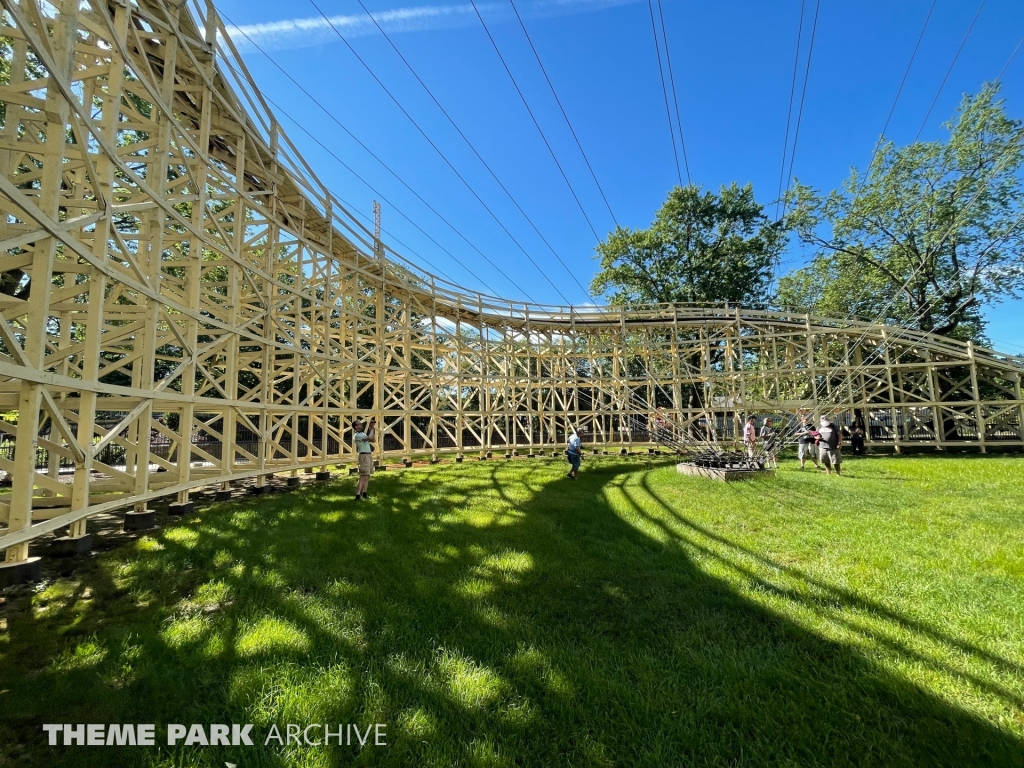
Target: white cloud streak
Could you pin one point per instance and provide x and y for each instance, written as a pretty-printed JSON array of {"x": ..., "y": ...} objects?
[{"x": 309, "y": 32}]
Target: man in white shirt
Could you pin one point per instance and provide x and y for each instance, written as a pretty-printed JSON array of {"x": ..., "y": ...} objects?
[
  {"x": 574, "y": 452},
  {"x": 363, "y": 438}
]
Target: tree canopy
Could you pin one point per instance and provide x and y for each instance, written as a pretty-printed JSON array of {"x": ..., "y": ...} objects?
[
  {"x": 927, "y": 236},
  {"x": 702, "y": 247}
]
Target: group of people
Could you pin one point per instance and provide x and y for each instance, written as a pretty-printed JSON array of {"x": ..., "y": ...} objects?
[{"x": 822, "y": 444}]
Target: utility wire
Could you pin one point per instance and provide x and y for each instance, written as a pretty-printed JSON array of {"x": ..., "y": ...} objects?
[
  {"x": 534, "y": 119},
  {"x": 566, "y": 116},
  {"x": 803, "y": 98},
  {"x": 379, "y": 160},
  {"x": 906, "y": 74},
  {"x": 675, "y": 94},
  {"x": 442, "y": 156},
  {"x": 470, "y": 145},
  {"x": 789, "y": 110},
  {"x": 1009, "y": 61},
  {"x": 950, "y": 70},
  {"x": 664, "y": 91},
  {"x": 329, "y": 151}
]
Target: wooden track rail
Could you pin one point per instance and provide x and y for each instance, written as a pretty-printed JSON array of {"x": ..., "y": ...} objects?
[{"x": 183, "y": 304}]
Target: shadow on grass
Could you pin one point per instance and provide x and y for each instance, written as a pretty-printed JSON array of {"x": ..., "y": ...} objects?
[{"x": 490, "y": 615}]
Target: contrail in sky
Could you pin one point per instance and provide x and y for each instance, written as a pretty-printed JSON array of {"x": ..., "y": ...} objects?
[{"x": 313, "y": 31}]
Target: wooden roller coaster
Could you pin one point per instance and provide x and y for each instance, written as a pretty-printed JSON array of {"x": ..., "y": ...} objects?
[{"x": 183, "y": 304}]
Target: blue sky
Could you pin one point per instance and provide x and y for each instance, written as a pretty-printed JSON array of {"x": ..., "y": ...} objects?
[{"x": 732, "y": 63}]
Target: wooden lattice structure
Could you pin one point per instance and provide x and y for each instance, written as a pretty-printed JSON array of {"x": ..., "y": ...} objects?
[{"x": 183, "y": 304}]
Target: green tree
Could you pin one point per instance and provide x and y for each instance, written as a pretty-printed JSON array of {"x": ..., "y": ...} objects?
[
  {"x": 702, "y": 247},
  {"x": 927, "y": 236}
]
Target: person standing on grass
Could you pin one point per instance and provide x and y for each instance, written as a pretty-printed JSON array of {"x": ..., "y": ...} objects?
[
  {"x": 857, "y": 435},
  {"x": 750, "y": 437},
  {"x": 805, "y": 438},
  {"x": 363, "y": 438},
  {"x": 574, "y": 452},
  {"x": 769, "y": 437},
  {"x": 830, "y": 443}
]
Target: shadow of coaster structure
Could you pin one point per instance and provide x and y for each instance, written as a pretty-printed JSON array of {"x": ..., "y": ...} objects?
[{"x": 184, "y": 305}]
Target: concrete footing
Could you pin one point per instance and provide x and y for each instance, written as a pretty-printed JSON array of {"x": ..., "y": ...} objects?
[
  {"x": 140, "y": 521},
  {"x": 323, "y": 476},
  {"x": 293, "y": 482},
  {"x": 262, "y": 490},
  {"x": 21, "y": 572},
  {"x": 458, "y": 459},
  {"x": 181, "y": 508},
  {"x": 67, "y": 546},
  {"x": 223, "y": 495},
  {"x": 725, "y": 475}
]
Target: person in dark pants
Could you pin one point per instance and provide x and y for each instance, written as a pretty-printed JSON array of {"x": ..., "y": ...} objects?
[
  {"x": 857, "y": 434},
  {"x": 574, "y": 452}
]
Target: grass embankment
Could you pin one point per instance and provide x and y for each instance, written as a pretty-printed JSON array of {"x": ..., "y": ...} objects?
[{"x": 499, "y": 614}]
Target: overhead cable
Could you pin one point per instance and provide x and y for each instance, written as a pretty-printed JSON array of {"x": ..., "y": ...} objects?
[
  {"x": 441, "y": 154},
  {"x": 384, "y": 164},
  {"x": 664, "y": 91},
  {"x": 675, "y": 95},
  {"x": 566, "y": 116},
  {"x": 789, "y": 110},
  {"x": 803, "y": 99},
  {"x": 949, "y": 71},
  {"x": 534, "y": 119},
  {"x": 469, "y": 144}
]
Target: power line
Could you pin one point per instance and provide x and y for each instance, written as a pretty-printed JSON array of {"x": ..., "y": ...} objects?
[
  {"x": 566, "y": 116},
  {"x": 906, "y": 74},
  {"x": 1009, "y": 61},
  {"x": 789, "y": 110},
  {"x": 803, "y": 97},
  {"x": 664, "y": 91},
  {"x": 442, "y": 156},
  {"x": 534, "y": 119},
  {"x": 379, "y": 160},
  {"x": 675, "y": 95},
  {"x": 465, "y": 138},
  {"x": 950, "y": 70},
  {"x": 329, "y": 151}
]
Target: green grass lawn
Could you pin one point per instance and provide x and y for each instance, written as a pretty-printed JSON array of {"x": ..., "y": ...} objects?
[{"x": 499, "y": 614}]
